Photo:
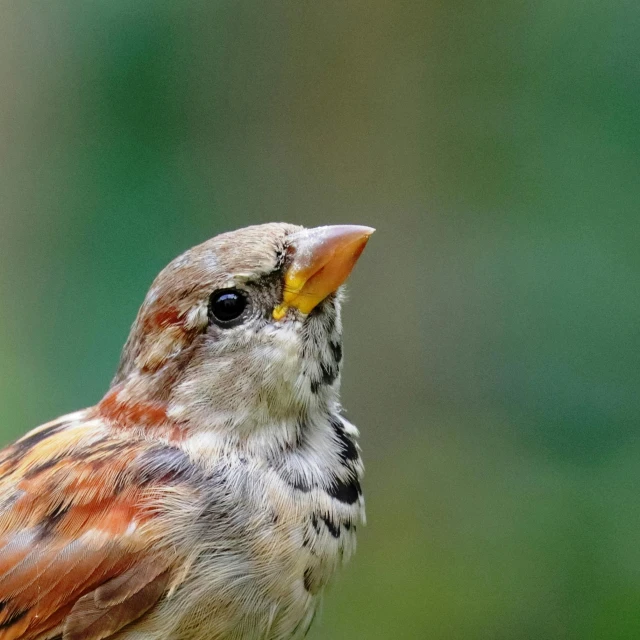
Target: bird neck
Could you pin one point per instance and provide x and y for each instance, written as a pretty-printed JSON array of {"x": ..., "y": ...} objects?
[{"x": 156, "y": 406}]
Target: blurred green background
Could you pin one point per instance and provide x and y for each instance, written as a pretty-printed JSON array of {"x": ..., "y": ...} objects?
[{"x": 492, "y": 334}]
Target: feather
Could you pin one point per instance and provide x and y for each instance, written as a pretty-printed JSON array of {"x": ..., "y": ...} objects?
[
  {"x": 129, "y": 583},
  {"x": 77, "y": 525},
  {"x": 90, "y": 621}
]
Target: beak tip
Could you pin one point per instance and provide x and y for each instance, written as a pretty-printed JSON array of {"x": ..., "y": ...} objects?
[
  {"x": 356, "y": 229},
  {"x": 348, "y": 232}
]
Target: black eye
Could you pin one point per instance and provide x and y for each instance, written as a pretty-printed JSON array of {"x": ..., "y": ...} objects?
[{"x": 227, "y": 307}]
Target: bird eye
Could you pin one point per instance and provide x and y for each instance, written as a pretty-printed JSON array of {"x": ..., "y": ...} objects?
[{"x": 227, "y": 306}]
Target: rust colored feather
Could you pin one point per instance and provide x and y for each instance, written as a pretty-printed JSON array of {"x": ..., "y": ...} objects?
[{"x": 77, "y": 517}]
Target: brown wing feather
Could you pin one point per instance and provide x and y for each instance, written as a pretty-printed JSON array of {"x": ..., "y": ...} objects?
[
  {"x": 89, "y": 621},
  {"x": 79, "y": 553}
]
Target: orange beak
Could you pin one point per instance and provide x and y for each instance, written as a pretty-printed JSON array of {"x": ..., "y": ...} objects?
[{"x": 323, "y": 259}]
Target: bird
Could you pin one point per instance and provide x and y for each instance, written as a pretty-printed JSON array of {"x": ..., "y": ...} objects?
[{"x": 215, "y": 489}]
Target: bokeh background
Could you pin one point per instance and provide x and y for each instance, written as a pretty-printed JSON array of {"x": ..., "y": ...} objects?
[{"x": 492, "y": 334}]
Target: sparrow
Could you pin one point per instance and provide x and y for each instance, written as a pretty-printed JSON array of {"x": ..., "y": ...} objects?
[{"x": 215, "y": 489}]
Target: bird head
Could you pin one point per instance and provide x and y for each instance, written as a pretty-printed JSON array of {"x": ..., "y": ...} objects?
[{"x": 240, "y": 332}]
